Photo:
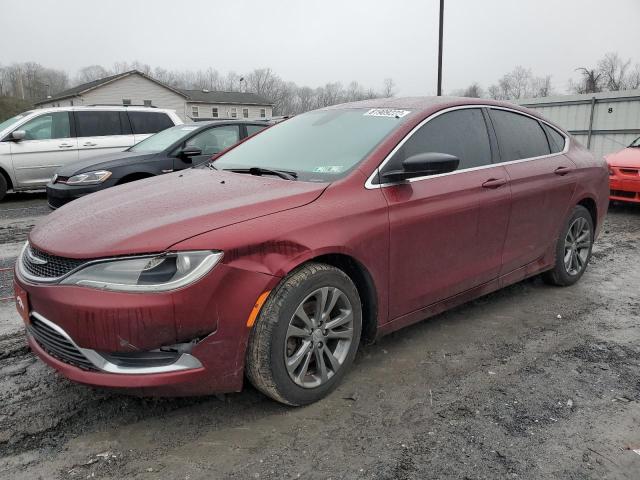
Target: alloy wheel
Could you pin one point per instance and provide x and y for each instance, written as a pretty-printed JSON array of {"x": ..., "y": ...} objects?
[
  {"x": 319, "y": 337},
  {"x": 577, "y": 244}
]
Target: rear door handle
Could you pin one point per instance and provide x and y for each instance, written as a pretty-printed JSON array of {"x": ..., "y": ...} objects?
[
  {"x": 562, "y": 170},
  {"x": 89, "y": 144},
  {"x": 65, "y": 145},
  {"x": 494, "y": 183}
]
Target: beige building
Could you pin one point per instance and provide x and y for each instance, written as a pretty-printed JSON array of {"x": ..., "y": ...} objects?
[{"x": 136, "y": 88}]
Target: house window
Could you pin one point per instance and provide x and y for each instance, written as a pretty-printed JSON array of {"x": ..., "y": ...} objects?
[
  {"x": 245, "y": 113},
  {"x": 126, "y": 101},
  {"x": 263, "y": 113},
  {"x": 234, "y": 112},
  {"x": 147, "y": 103},
  {"x": 214, "y": 112},
  {"x": 194, "y": 112}
]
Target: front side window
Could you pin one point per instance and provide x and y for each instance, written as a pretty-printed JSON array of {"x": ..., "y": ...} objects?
[
  {"x": 251, "y": 129},
  {"x": 462, "y": 133},
  {"x": 319, "y": 146},
  {"x": 149, "y": 122},
  {"x": 98, "y": 124},
  {"x": 163, "y": 140},
  {"x": 194, "y": 112},
  {"x": 214, "y": 112},
  {"x": 48, "y": 126},
  {"x": 234, "y": 112},
  {"x": 518, "y": 136},
  {"x": 263, "y": 113},
  {"x": 245, "y": 113},
  {"x": 215, "y": 139}
]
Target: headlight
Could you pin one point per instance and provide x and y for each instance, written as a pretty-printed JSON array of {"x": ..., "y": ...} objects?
[
  {"x": 149, "y": 273},
  {"x": 89, "y": 177}
]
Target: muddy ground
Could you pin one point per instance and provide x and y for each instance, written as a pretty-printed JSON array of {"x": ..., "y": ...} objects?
[{"x": 530, "y": 382}]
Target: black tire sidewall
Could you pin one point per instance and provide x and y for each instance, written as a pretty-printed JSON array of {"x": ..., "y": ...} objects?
[
  {"x": 286, "y": 386},
  {"x": 3, "y": 186},
  {"x": 560, "y": 271}
]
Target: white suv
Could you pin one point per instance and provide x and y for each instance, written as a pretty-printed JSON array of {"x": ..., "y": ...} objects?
[{"x": 34, "y": 144}]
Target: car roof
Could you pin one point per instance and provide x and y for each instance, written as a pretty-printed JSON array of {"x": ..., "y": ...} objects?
[{"x": 118, "y": 108}]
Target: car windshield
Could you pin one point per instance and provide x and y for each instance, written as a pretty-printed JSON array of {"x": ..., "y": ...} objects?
[
  {"x": 319, "y": 146},
  {"x": 163, "y": 140},
  {"x": 12, "y": 121},
  {"x": 635, "y": 143}
]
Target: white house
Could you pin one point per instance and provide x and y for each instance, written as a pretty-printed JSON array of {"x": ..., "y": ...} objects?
[{"x": 136, "y": 88}]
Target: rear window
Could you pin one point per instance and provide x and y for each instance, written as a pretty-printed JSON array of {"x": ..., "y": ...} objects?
[
  {"x": 149, "y": 122},
  {"x": 519, "y": 136},
  {"x": 98, "y": 124}
]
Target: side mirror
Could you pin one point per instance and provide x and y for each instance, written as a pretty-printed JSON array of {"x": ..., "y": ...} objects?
[
  {"x": 18, "y": 135},
  {"x": 188, "y": 152},
  {"x": 422, "y": 165}
]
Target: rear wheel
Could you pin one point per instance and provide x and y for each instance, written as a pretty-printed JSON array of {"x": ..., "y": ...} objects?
[
  {"x": 3, "y": 186},
  {"x": 573, "y": 249},
  {"x": 306, "y": 335}
]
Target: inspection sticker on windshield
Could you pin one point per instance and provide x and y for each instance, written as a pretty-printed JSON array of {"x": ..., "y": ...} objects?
[
  {"x": 329, "y": 169},
  {"x": 386, "y": 112}
]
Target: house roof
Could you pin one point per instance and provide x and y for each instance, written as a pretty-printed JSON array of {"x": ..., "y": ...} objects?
[
  {"x": 207, "y": 96},
  {"x": 203, "y": 96}
]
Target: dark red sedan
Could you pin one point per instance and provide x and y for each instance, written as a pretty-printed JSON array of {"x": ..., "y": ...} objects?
[{"x": 276, "y": 260}]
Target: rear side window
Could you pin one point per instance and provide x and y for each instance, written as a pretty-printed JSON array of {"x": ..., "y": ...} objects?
[
  {"x": 149, "y": 122},
  {"x": 462, "y": 133},
  {"x": 251, "y": 129},
  {"x": 48, "y": 127},
  {"x": 98, "y": 124},
  {"x": 556, "y": 141},
  {"x": 518, "y": 136}
]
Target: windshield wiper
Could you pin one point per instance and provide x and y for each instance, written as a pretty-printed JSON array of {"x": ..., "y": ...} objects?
[{"x": 259, "y": 171}]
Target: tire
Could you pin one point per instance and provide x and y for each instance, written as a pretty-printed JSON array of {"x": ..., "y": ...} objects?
[
  {"x": 570, "y": 245},
  {"x": 287, "y": 329},
  {"x": 3, "y": 186}
]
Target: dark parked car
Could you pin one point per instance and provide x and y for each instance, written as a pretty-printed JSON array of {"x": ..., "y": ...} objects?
[
  {"x": 343, "y": 223},
  {"x": 173, "y": 149}
]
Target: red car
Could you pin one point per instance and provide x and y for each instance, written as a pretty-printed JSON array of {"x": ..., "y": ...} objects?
[
  {"x": 624, "y": 173},
  {"x": 274, "y": 261}
]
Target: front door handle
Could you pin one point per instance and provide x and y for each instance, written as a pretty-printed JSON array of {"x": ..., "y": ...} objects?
[
  {"x": 65, "y": 145},
  {"x": 562, "y": 170},
  {"x": 494, "y": 183},
  {"x": 89, "y": 144}
]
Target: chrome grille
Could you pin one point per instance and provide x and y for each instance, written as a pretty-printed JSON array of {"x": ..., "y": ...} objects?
[
  {"x": 40, "y": 264},
  {"x": 57, "y": 345}
]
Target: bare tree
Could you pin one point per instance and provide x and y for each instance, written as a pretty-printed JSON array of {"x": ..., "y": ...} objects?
[
  {"x": 472, "y": 91},
  {"x": 614, "y": 70},
  {"x": 92, "y": 73},
  {"x": 388, "y": 88}
]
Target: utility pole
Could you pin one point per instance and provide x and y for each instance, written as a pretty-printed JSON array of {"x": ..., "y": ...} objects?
[{"x": 440, "y": 49}]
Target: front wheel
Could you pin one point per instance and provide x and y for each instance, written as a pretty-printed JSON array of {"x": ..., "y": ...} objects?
[
  {"x": 306, "y": 335},
  {"x": 573, "y": 249}
]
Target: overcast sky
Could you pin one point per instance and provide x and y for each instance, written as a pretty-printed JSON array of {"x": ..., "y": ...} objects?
[{"x": 320, "y": 41}]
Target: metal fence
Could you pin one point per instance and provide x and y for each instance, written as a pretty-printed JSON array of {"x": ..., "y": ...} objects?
[{"x": 603, "y": 122}]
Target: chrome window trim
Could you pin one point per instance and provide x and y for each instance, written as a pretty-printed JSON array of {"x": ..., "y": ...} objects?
[
  {"x": 185, "y": 361},
  {"x": 369, "y": 185}
]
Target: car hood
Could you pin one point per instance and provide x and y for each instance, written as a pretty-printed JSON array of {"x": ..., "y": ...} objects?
[
  {"x": 151, "y": 215},
  {"x": 102, "y": 162},
  {"x": 628, "y": 157}
]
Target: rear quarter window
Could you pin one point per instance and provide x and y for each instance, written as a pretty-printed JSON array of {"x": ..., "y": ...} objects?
[
  {"x": 518, "y": 136},
  {"x": 556, "y": 141},
  {"x": 149, "y": 122}
]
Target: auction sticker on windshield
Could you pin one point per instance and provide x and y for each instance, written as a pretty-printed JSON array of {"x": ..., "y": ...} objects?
[{"x": 386, "y": 112}]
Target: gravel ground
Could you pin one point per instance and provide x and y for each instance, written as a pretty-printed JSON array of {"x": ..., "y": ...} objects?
[{"x": 530, "y": 382}]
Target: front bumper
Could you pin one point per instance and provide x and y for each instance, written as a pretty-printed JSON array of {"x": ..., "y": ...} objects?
[
  {"x": 59, "y": 194},
  {"x": 624, "y": 184},
  {"x": 211, "y": 313}
]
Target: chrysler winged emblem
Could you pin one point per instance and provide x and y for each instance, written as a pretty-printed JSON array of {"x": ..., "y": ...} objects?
[{"x": 34, "y": 259}]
